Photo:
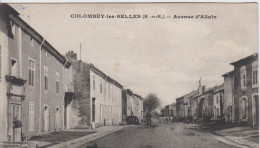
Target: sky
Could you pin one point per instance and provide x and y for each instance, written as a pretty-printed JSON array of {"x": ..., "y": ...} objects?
[{"x": 162, "y": 56}]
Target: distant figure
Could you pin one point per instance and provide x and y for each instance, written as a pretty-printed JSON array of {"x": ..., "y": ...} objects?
[
  {"x": 93, "y": 146},
  {"x": 148, "y": 120}
]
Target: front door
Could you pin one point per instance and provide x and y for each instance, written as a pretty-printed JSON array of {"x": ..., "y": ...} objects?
[
  {"x": 15, "y": 114},
  {"x": 93, "y": 109}
]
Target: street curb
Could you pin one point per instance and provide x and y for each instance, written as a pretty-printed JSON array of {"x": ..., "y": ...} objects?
[
  {"x": 80, "y": 141},
  {"x": 229, "y": 141}
]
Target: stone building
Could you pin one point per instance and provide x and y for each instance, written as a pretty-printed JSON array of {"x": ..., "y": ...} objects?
[
  {"x": 187, "y": 104},
  {"x": 32, "y": 79},
  {"x": 99, "y": 94},
  {"x": 138, "y": 106},
  {"x": 132, "y": 104},
  {"x": 172, "y": 110},
  {"x": 180, "y": 108},
  {"x": 246, "y": 99},
  {"x": 228, "y": 102},
  {"x": 218, "y": 99}
]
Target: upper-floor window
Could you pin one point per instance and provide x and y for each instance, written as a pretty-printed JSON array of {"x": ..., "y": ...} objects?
[
  {"x": 13, "y": 28},
  {"x": 217, "y": 99},
  {"x": 31, "y": 67},
  {"x": 14, "y": 68},
  {"x": 94, "y": 83},
  {"x": 32, "y": 41},
  {"x": 105, "y": 88},
  {"x": 108, "y": 90},
  {"x": 243, "y": 77},
  {"x": 45, "y": 77},
  {"x": 255, "y": 74},
  {"x": 101, "y": 86},
  {"x": 57, "y": 83}
]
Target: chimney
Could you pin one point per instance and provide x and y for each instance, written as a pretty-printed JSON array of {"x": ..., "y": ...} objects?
[{"x": 72, "y": 55}]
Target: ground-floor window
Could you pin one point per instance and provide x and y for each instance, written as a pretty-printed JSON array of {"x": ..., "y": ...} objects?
[
  {"x": 243, "y": 107},
  {"x": 31, "y": 116}
]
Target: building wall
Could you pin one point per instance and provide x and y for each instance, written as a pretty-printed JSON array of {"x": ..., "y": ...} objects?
[
  {"x": 4, "y": 69},
  {"x": 217, "y": 100},
  {"x": 247, "y": 93},
  {"x": 108, "y": 103},
  {"x": 117, "y": 105},
  {"x": 31, "y": 93},
  {"x": 228, "y": 99},
  {"x": 22, "y": 47},
  {"x": 82, "y": 87},
  {"x": 124, "y": 104}
]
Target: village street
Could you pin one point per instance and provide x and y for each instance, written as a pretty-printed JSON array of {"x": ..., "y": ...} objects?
[{"x": 171, "y": 135}]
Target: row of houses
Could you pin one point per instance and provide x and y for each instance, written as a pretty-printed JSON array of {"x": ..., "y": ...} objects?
[
  {"x": 235, "y": 101},
  {"x": 43, "y": 91}
]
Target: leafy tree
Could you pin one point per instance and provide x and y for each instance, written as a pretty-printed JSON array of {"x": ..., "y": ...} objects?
[{"x": 151, "y": 102}]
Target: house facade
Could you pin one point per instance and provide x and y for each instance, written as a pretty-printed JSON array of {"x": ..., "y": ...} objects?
[
  {"x": 246, "y": 99},
  {"x": 101, "y": 96},
  {"x": 180, "y": 108},
  {"x": 32, "y": 80},
  {"x": 132, "y": 104},
  {"x": 228, "y": 103},
  {"x": 218, "y": 101}
]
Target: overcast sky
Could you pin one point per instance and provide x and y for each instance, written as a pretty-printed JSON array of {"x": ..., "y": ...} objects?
[{"x": 162, "y": 56}]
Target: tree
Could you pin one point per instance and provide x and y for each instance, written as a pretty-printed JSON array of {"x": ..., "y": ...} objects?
[
  {"x": 163, "y": 111},
  {"x": 151, "y": 102}
]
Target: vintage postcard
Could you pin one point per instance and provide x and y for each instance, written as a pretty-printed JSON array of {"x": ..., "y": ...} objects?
[{"x": 129, "y": 75}]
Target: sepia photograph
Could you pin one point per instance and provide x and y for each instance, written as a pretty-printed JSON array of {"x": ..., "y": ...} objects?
[{"x": 129, "y": 75}]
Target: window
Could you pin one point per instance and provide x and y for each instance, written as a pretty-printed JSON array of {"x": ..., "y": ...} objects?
[
  {"x": 255, "y": 74},
  {"x": 45, "y": 77},
  {"x": 108, "y": 90},
  {"x": 31, "y": 66},
  {"x": 57, "y": 83},
  {"x": 31, "y": 116},
  {"x": 243, "y": 77},
  {"x": 101, "y": 86},
  {"x": 105, "y": 88},
  {"x": 94, "y": 83},
  {"x": 0, "y": 63},
  {"x": 14, "y": 68},
  {"x": 57, "y": 118},
  {"x": 217, "y": 99},
  {"x": 32, "y": 41},
  {"x": 243, "y": 108},
  {"x": 13, "y": 28}
]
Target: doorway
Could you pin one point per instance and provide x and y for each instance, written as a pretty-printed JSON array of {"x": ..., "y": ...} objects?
[
  {"x": 46, "y": 118},
  {"x": 256, "y": 106},
  {"x": 93, "y": 109},
  {"x": 15, "y": 115}
]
